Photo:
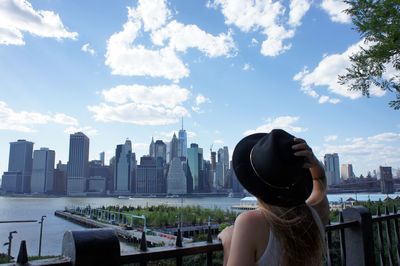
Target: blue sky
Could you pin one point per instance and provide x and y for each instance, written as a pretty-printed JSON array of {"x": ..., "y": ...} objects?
[{"x": 133, "y": 69}]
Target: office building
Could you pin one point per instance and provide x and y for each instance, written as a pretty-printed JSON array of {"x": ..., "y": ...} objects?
[
  {"x": 102, "y": 156},
  {"x": 346, "y": 171},
  {"x": 146, "y": 179},
  {"x": 176, "y": 179},
  {"x": 194, "y": 159},
  {"x": 42, "y": 180},
  {"x": 160, "y": 150},
  {"x": 152, "y": 151},
  {"x": 182, "y": 142},
  {"x": 18, "y": 176},
  {"x": 332, "y": 171},
  {"x": 124, "y": 164},
  {"x": 173, "y": 150},
  {"x": 78, "y": 164}
]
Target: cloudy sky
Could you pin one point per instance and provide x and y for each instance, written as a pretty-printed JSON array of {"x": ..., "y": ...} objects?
[{"x": 132, "y": 69}]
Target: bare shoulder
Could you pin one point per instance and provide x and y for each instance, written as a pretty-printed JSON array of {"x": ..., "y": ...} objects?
[{"x": 251, "y": 220}]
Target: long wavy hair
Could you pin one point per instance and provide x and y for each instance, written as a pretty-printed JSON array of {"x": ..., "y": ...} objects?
[{"x": 297, "y": 232}]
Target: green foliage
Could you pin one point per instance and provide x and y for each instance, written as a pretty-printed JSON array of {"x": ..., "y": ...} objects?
[{"x": 378, "y": 22}]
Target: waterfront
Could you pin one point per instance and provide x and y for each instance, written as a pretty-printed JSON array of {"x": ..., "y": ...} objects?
[{"x": 27, "y": 208}]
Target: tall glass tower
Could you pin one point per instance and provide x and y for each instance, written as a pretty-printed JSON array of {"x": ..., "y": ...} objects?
[
  {"x": 42, "y": 180},
  {"x": 182, "y": 142},
  {"x": 123, "y": 168},
  {"x": 20, "y": 161},
  {"x": 78, "y": 163}
]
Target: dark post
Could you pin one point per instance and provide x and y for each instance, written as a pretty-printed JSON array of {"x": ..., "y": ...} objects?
[
  {"x": 143, "y": 242},
  {"x": 359, "y": 239},
  {"x": 179, "y": 238},
  {"x": 10, "y": 237},
  {"x": 40, "y": 236},
  {"x": 22, "y": 254}
]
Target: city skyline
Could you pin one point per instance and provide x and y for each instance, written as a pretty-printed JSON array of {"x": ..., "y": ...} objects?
[{"x": 228, "y": 68}]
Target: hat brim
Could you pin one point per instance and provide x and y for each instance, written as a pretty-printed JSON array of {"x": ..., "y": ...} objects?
[{"x": 254, "y": 185}]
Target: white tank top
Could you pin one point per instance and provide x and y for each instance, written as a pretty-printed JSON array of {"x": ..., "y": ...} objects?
[{"x": 272, "y": 253}]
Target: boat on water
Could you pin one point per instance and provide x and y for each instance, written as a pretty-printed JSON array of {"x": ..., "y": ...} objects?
[{"x": 123, "y": 197}]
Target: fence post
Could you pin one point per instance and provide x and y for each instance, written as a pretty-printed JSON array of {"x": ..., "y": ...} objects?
[{"x": 359, "y": 239}]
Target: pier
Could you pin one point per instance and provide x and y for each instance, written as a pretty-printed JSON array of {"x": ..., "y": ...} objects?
[{"x": 133, "y": 236}]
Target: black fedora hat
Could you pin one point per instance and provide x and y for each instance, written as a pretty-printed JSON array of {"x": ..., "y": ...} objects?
[{"x": 266, "y": 166}]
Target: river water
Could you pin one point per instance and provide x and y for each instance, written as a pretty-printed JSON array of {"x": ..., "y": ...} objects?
[{"x": 25, "y": 208}]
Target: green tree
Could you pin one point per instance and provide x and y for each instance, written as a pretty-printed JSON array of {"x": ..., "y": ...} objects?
[{"x": 378, "y": 22}]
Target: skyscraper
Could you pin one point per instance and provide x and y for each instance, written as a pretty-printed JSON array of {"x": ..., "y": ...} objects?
[
  {"x": 102, "y": 156},
  {"x": 182, "y": 142},
  {"x": 176, "y": 179},
  {"x": 123, "y": 168},
  {"x": 151, "y": 148},
  {"x": 346, "y": 171},
  {"x": 18, "y": 177},
  {"x": 174, "y": 145},
  {"x": 222, "y": 167},
  {"x": 332, "y": 171},
  {"x": 193, "y": 158},
  {"x": 78, "y": 163},
  {"x": 160, "y": 150},
  {"x": 42, "y": 180}
]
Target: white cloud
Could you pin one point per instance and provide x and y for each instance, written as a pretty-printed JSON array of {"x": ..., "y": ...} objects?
[
  {"x": 141, "y": 105},
  {"x": 88, "y": 130},
  {"x": 200, "y": 99},
  {"x": 330, "y": 138},
  {"x": 247, "y": 67},
  {"x": 335, "y": 10},
  {"x": 25, "y": 121},
  {"x": 267, "y": 17},
  {"x": 368, "y": 152},
  {"x": 298, "y": 8},
  {"x": 326, "y": 74},
  {"x": 87, "y": 49},
  {"x": 282, "y": 122},
  {"x": 125, "y": 56},
  {"x": 18, "y": 17}
]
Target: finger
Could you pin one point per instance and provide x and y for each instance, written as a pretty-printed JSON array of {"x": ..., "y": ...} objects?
[
  {"x": 303, "y": 153},
  {"x": 307, "y": 165},
  {"x": 299, "y": 146},
  {"x": 299, "y": 140}
]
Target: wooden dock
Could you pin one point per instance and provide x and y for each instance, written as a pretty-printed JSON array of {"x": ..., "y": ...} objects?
[{"x": 133, "y": 236}]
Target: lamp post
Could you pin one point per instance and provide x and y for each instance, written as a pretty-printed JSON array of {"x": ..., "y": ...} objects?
[
  {"x": 10, "y": 237},
  {"x": 41, "y": 231}
]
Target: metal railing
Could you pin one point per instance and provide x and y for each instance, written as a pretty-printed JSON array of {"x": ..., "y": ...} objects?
[{"x": 358, "y": 238}]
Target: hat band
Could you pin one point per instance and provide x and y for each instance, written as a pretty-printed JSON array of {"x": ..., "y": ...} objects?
[{"x": 262, "y": 179}]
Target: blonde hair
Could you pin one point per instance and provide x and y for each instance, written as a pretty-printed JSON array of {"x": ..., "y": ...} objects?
[{"x": 297, "y": 232}]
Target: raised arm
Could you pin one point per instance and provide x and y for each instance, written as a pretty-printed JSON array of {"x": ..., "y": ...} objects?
[{"x": 317, "y": 199}]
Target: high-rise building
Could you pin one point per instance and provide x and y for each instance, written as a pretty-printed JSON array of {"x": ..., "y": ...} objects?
[
  {"x": 332, "y": 171},
  {"x": 182, "y": 142},
  {"x": 387, "y": 183},
  {"x": 78, "y": 163},
  {"x": 152, "y": 151},
  {"x": 18, "y": 177},
  {"x": 222, "y": 168},
  {"x": 346, "y": 171},
  {"x": 173, "y": 150},
  {"x": 176, "y": 179},
  {"x": 42, "y": 180},
  {"x": 160, "y": 150},
  {"x": 193, "y": 159},
  {"x": 102, "y": 156},
  {"x": 123, "y": 168},
  {"x": 146, "y": 179},
  {"x": 213, "y": 160},
  {"x": 60, "y": 179}
]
